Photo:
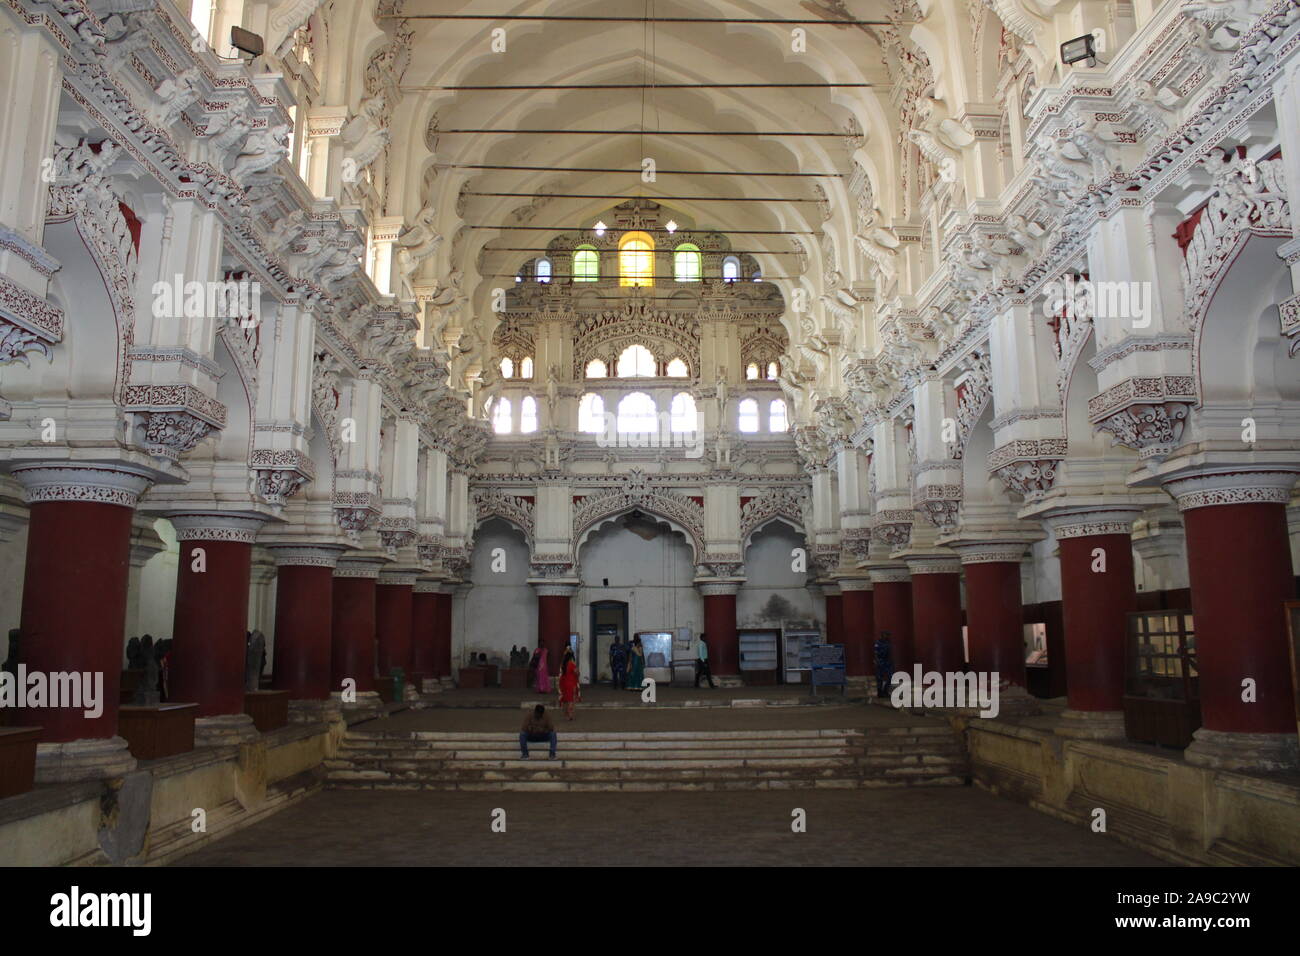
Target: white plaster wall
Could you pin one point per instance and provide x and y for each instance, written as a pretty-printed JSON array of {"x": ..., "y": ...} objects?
[
  {"x": 500, "y": 610},
  {"x": 157, "y": 587},
  {"x": 768, "y": 575},
  {"x": 655, "y": 577},
  {"x": 1040, "y": 576},
  {"x": 13, "y": 563}
]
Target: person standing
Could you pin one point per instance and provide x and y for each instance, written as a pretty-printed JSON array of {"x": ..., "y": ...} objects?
[
  {"x": 636, "y": 673},
  {"x": 618, "y": 663},
  {"x": 884, "y": 652},
  {"x": 702, "y": 662},
  {"x": 569, "y": 684},
  {"x": 537, "y": 729},
  {"x": 543, "y": 679}
]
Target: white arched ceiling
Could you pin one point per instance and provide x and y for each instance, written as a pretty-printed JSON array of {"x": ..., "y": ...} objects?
[{"x": 543, "y": 54}]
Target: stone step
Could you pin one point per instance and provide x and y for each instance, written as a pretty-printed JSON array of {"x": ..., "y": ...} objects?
[
  {"x": 605, "y": 753},
  {"x": 645, "y": 786},
  {"x": 587, "y": 746},
  {"x": 620, "y": 737}
]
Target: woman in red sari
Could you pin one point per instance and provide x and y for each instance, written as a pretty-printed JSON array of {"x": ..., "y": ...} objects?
[{"x": 569, "y": 684}]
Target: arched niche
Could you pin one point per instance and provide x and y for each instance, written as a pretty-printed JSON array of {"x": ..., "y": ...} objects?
[
  {"x": 773, "y": 590},
  {"x": 500, "y": 609},
  {"x": 648, "y": 563}
]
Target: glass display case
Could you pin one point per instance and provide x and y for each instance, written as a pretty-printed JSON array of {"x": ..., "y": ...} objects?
[
  {"x": 658, "y": 647},
  {"x": 797, "y": 659},
  {"x": 1161, "y": 693}
]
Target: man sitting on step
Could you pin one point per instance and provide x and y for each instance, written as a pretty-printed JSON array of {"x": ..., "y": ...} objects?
[{"x": 537, "y": 728}]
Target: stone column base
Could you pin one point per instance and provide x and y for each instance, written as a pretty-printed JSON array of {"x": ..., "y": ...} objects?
[
  {"x": 728, "y": 681},
  {"x": 1220, "y": 750},
  {"x": 368, "y": 704},
  {"x": 448, "y": 683},
  {"x": 224, "y": 730},
  {"x": 431, "y": 685},
  {"x": 325, "y": 711},
  {"x": 1091, "y": 724},
  {"x": 1015, "y": 701},
  {"x": 78, "y": 760}
]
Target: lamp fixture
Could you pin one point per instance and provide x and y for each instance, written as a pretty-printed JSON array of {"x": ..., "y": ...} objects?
[
  {"x": 671, "y": 226},
  {"x": 600, "y": 227}
]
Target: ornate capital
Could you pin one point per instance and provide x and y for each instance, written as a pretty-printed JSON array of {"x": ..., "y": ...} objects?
[
  {"x": 1092, "y": 522},
  {"x": 1145, "y": 414},
  {"x": 397, "y": 578},
  {"x": 357, "y": 568},
  {"x": 893, "y": 527},
  {"x": 94, "y": 484},
  {"x": 718, "y": 588},
  {"x": 934, "y": 566},
  {"x": 215, "y": 526},
  {"x": 305, "y": 556},
  {"x": 555, "y": 590},
  {"x": 1232, "y": 488},
  {"x": 890, "y": 576},
  {"x": 170, "y": 420},
  {"x": 1028, "y": 466}
]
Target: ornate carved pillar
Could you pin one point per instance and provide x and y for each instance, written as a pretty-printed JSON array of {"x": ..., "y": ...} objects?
[
  {"x": 936, "y": 613},
  {"x": 304, "y": 594},
  {"x": 424, "y": 631},
  {"x": 211, "y": 619},
  {"x": 353, "y": 627},
  {"x": 1097, "y": 594},
  {"x": 553, "y": 619},
  {"x": 393, "y": 621},
  {"x": 74, "y": 607},
  {"x": 720, "y": 625},
  {"x": 994, "y": 615},
  {"x": 1239, "y": 562},
  {"x": 892, "y": 607},
  {"x": 858, "y": 605}
]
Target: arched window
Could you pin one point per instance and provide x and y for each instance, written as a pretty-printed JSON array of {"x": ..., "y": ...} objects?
[
  {"x": 730, "y": 269},
  {"x": 526, "y": 367},
  {"x": 777, "y": 420},
  {"x": 528, "y": 415},
  {"x": 682, "y": 412},
  {"x": 542, "y": 272},
  {"x": 748, "y": 420},
  {"x": 502, "y": 421},
  {"x": 596, "y": 369},
  {"x": 686, "y": 263},
  {"x": 751, "y": 371},
  {"x": 636, "y": 259},
  {"x": 586, "y": 264},
  {"x": 773, "y": 370},
  {"x": 636, "y": 362},
  {"x": 591, "y": 414},
  {"x": 677, "y": 369},
  {"x": 637, "y": 413},
  {"x": 507, "y": 368}
]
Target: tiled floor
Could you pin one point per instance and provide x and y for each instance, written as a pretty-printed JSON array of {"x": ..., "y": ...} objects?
[{"x": 915, "y": 827}]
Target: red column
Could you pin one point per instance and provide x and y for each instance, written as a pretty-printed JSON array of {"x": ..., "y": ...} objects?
[
  {"x": 553, "y": 621},
  {"x": 424, "y": 627},
  {"x": 893, "y": 612},
  {"x": 720, "y": 625},
  {"x": 859, "y": 611},
  {"x": 304, "y": 590},
  {"x": 1097, "y": 594},
  {"x": 834, "y": 616},
  {"x": 994, "y": 628},
  {"x": 211, "y": 619},
  {"x": 75, "y": 587},
  {"x": 393, "y": 622},
  {"x": 936, "y": 615},
  {"x": 442, "y": 635},
  {"x": 1239, "y": 565},
  {"x": 353, "y": 626}
]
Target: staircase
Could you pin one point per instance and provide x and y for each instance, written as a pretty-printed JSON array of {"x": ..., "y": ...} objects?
[{"x": 924, "y": 755}]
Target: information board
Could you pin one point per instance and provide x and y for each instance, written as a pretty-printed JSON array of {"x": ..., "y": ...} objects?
[{"x": 827, "y": 665}]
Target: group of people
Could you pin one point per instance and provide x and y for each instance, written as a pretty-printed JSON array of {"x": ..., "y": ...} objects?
[{"x": 633, "y": 677}]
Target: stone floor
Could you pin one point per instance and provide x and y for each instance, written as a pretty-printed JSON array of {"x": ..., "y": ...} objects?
[{"x": 915, "y": 827}]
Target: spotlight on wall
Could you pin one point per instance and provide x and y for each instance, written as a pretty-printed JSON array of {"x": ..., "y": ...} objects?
[
  {"x": 245, "y": 41},
  {"x": 1080, "y": 48}
]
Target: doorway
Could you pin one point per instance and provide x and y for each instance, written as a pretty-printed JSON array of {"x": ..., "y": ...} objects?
[{"x": 608, "y": 627}]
